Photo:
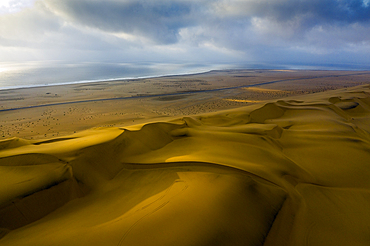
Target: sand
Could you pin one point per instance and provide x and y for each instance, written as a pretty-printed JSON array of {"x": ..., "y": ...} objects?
[
  {"x": 285, "y": 171},
  {"x": 56, "y": 111}
]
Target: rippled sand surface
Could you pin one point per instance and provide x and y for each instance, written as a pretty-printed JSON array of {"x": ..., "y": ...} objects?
[{"x": 292, "y": 171}]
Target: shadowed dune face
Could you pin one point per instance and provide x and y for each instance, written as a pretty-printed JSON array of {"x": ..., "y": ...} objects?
[
  {"x": 32, "y": 186},
  {"x": 290, "y": 172}
]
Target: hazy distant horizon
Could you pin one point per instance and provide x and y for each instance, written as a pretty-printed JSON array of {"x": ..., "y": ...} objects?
[{"x": 31, "y": 74}]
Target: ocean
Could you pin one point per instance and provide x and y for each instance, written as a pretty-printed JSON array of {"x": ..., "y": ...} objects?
[{"x": 33, "y": 74}]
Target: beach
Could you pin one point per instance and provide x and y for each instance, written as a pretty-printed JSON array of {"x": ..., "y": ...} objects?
[{"x": 232, "y": 157}]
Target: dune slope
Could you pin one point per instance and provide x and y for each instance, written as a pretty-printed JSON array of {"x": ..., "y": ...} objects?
[{"x": 289, "y": 172}]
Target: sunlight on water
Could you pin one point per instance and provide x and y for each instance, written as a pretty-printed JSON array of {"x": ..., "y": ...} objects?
[{"x": 32, "y": 74}]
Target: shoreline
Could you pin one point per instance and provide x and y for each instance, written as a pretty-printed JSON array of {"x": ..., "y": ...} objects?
[
  {"x": 177, "y": 70},
  {"x": 123, "y": 79},
  {"x": 95, "y": 81}
]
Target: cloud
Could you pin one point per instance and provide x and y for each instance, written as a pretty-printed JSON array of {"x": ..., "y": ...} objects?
[
  {"x": 317, "y": 26},
  {"x": 159, "y": 21},
  {"x": 11, "y": 6},
  {"x": 187, "y": 30},
  {"x": 27, "y": 27},
  {"x": 313, "y": 11}
]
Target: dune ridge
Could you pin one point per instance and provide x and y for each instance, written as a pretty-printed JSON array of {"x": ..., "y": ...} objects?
[{"x": 292, "y": 171}]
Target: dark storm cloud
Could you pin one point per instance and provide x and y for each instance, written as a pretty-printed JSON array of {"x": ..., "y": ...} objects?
[
  {"x": 318, "y": 26},
  {"x": 161, "y": 21},
  {"x": 189, "y": 29},
  {"x": 345, "y": 11},
  {"x": 314, "y": 12},
  {"x": 157, "y": 20}
]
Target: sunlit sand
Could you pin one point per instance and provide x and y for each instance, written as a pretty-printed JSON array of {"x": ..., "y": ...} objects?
[
  {"x": 288, "y": 171},
  {"x": 243, "y": 100},
  {"x": 263, "y": 90}
]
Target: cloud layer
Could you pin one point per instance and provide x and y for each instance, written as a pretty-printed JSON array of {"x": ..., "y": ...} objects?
[{"x": 288, "y": 31}]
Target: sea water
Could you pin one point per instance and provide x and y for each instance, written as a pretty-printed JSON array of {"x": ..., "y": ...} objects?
[{"x": 33, "y": 74}]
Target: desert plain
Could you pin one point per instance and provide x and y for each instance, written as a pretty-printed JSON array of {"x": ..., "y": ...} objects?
[{"x": 233, "y": 157}]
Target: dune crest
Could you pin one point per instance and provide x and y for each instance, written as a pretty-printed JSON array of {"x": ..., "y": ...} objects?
[{"x": 287, "y": 172}]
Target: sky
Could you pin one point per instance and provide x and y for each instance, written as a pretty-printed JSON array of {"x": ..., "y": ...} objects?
[{"x": 186, "y": 31}]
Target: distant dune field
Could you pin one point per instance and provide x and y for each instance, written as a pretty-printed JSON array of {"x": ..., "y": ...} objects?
[{"x": 289, "y": 171}]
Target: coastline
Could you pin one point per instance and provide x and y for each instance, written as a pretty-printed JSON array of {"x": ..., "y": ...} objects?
[
  {"x": 41, "y": 77},
  {"x": 99, "y": 81},
  {"x": 30, "y": 75}
]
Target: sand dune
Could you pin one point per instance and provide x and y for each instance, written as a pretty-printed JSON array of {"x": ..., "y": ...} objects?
[{"x": 293, "y": 171}]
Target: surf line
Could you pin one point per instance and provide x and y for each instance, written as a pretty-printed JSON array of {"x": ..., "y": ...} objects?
[{"x": 173, "y": 94}]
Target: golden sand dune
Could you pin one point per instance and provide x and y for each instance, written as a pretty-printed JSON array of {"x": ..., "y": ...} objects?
[{"x": 290, "y": 172}]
